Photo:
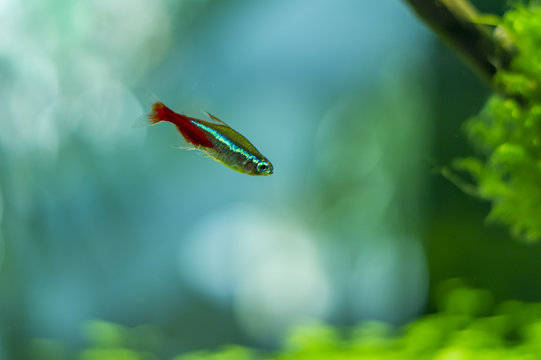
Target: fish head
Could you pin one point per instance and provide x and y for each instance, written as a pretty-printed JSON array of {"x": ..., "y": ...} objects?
[{"x": 260, "y": 167}]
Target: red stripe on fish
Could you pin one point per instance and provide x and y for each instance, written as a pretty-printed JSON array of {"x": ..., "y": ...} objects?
[{"x": 191, "y": 133}]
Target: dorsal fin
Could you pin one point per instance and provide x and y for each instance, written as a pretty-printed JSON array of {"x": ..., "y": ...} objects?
[{"x": 215, "y": 118}]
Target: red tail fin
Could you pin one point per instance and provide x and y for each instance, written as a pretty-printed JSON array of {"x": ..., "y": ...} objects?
[
  {"x": 160, "y": 112},
  {"x": 191, "y": 133}
]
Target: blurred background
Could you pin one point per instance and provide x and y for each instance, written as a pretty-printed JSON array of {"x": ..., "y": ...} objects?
[{"x": 357, "y": 105}]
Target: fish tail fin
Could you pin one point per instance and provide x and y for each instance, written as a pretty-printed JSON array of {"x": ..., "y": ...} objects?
[
  {"x": 160, "y": 112},
  {"x": 192, "y": 134},
  {"x": 144, "y": 120}
]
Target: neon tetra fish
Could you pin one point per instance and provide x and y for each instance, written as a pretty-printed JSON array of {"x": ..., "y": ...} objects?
[{"x": 216, "y": 139}]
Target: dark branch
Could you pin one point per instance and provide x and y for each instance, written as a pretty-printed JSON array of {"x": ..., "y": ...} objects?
[{"x": 457, "y": 22}]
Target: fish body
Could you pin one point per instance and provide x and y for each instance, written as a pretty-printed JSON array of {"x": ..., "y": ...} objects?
[{"x": 216, "y": 139}]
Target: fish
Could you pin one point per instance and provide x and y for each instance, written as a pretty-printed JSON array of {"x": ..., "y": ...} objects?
[{"x": 215, "y": 139}]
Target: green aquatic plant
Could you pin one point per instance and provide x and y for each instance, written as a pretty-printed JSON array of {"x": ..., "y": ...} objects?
[
  {"x": 468, "y": 324},
  {"x": 505, "y": 53},
  {"x": 507, "y": 131},
  {"x": 466, "y": 327}
]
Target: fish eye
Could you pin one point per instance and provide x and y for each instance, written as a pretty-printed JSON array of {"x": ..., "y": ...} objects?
[{"x": 263, "y": 166}]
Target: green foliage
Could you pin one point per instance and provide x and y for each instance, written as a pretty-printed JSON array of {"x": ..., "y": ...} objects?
[
  {"x": 507, "y": 132},
  {"x": 467, "y": 325},
  {"x": 228, "y": 353},
  {"x": 116, "y": 342}
]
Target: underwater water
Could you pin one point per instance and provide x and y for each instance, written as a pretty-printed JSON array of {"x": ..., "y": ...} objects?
[{"x": 115, "y": 244}]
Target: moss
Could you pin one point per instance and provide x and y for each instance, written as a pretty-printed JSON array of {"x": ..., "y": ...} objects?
[
  {"x": 507, "y": 132},
  {"x": 466, "y": 325},
  {"x": 463, "y": 328}
]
